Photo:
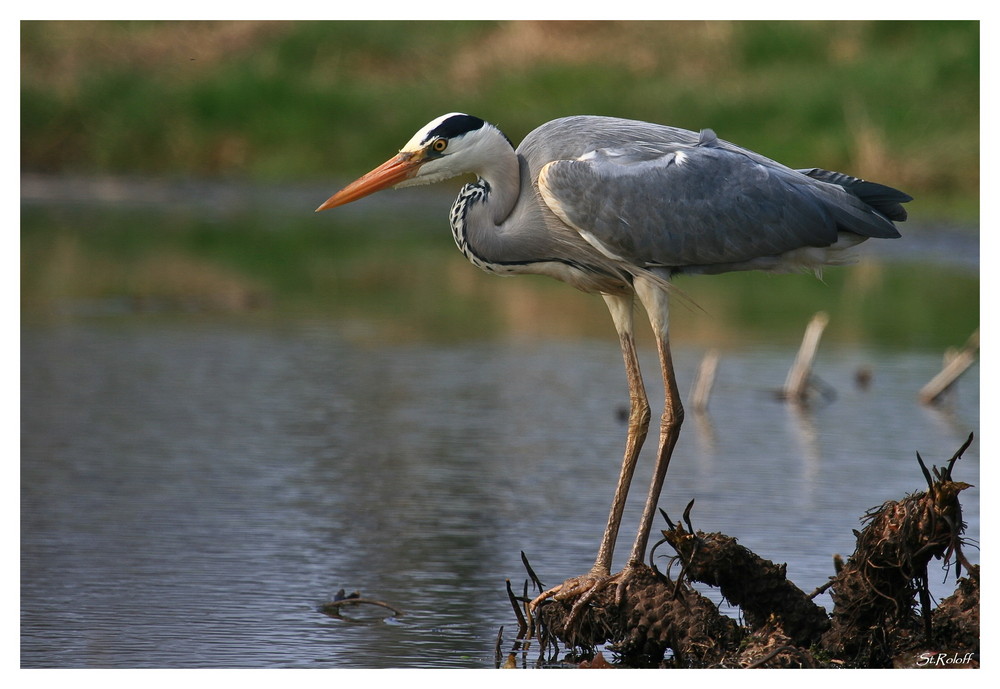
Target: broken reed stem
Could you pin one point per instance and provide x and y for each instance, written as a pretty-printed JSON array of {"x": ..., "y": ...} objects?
[
  {"x": 956, "y": 365},
  {"x": 797, "y": 383},
  {"x": 702, "y": 387}
]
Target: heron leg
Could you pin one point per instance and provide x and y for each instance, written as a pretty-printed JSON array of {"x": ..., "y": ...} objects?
[
  {"x": 654, "y": 297},
  {"x": 638, "y": 425},
  {"x": 581, "y": 590}
]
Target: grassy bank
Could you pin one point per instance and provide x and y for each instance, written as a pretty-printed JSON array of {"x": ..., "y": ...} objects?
[
  {"x": 895, "y": 102},
  {"x": 292, "y": 105}
]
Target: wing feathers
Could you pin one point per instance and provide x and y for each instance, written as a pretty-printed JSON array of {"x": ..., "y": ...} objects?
[
  {"x": 676, "y": 205},
  {"x": 886, "y": 200}
]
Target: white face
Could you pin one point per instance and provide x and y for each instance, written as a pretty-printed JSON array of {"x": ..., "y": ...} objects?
[
  {"x": 449, "y": 146},
  {"x": 452, "y": 149}
]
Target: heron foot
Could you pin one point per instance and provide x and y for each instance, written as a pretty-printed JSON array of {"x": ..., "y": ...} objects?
[{"x": 579, "y": 591}]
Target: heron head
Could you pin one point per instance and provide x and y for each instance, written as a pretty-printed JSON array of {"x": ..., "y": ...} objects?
[{"x": 446, "y": 147}]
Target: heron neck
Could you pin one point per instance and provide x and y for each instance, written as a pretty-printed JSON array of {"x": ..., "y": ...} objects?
[{"x": 502, "y": 179}]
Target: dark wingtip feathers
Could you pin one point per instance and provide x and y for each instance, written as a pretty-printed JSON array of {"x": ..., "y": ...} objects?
[{"x": 885, "y": 200}]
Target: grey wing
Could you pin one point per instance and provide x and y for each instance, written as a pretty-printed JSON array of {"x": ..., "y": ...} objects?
[{"x": 697, "y": 205}]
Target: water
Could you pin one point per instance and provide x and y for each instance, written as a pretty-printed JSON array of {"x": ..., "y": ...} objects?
[{"x": 192, "y": 490}]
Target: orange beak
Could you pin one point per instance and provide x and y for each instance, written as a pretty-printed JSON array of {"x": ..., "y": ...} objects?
[{"x": 388, "y": 174}]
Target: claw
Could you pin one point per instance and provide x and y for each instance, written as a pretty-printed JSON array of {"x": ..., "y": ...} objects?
[
  {"x": 584, "y": 588},
  {"x": 582, "y": 602}
]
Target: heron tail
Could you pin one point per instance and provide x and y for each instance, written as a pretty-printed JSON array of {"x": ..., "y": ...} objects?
[{"x": 885, "y": 200}]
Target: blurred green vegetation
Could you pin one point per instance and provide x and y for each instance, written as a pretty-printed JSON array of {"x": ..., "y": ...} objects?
[
  {"x": 312, "y": 104},
  {"x": 897, "y": 102},
  {"x": 381, "y": 283}
]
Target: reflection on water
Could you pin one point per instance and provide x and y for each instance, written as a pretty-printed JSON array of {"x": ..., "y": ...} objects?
[{"x": 191, "y": 493}]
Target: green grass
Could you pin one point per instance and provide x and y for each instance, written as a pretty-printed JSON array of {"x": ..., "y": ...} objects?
[
  {"x": 279, "y": 103},
  {"x": 892, "y": 101}
]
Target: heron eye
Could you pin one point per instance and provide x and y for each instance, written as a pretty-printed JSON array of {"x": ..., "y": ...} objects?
[{"x": 439, "y": 145}]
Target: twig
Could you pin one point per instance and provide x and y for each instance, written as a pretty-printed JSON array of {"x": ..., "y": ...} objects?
[
  {"x": 702, "y": 387},
  {"x": 332, "y": 608},
  {"x": 760, "y": 661},
  {"x": 927, "y": 474},
  {"x": 497, "y": 653},
  {"x": 957, "y": 365},
  {"x": 666, "y": 516},
  {"x": 820, "y": 589},
  {"x": 531, "y": 573},
  {"x": 522, "y": 625},
  {"x": 797, "y": 383},
  {"x": 925, "y": 603},
  {"x": 955, "y": 457},
  {"x": 687, "y": 515}
]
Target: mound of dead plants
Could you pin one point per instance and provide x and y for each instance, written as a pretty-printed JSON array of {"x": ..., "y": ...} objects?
[{"x": 882, "y": 615}]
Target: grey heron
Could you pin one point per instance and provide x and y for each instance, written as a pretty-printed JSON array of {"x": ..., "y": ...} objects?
[{"x": 617, "y": 207}]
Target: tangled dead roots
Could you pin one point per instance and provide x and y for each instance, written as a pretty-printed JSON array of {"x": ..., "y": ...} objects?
[{"x": 881, "y": 614}]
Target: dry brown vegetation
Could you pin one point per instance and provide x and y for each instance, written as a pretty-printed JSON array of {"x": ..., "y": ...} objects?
[{"x": 882, "y": 614}]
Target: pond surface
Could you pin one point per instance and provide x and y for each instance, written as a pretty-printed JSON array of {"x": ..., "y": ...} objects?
[
  {"x": 192, "y": 489},
  {"x": 232, "y": 408}
]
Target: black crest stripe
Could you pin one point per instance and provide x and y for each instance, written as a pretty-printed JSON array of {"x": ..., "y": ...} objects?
[{"x": 455, "y": 125}]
